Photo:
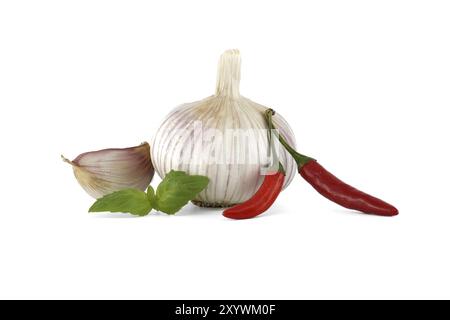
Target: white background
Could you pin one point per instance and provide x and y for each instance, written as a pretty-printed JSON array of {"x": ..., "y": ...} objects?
[{"x": 364, "y": 84}]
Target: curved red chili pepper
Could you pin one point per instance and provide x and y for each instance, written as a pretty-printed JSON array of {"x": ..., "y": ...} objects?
[
  {"x": 330, "y": 186},
  {"x": 341, "y": 193},
  {"x": 261, "y": 200}
]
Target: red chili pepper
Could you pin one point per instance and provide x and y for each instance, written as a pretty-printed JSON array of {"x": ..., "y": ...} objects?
[
  {"x": 261, "y": 200},
  {"x": 266, "y": 194},
  {"x": 341, "y": 193},
  {"x": 331, "y": 187}
]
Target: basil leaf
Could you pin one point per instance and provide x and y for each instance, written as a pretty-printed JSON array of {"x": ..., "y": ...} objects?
[
  {"x": 132, "y": 201},
  {"x": 151, "y": 197},
  {"x": 177, "y": 189}
]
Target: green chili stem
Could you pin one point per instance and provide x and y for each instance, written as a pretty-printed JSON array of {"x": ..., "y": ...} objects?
[
  {"x": 299, "y": 158},
  {"x": 271, "y": 144}
]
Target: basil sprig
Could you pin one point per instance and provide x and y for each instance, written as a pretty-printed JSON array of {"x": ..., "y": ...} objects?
[{"x": 173, "y": 193}]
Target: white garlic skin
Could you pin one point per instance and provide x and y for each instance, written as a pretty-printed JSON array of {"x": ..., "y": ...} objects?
[
  {"x": 105, "y": 171},
  {"x": 230, "y": 183}
]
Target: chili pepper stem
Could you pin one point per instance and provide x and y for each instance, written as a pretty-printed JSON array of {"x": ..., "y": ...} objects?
[
  {"x": 271, "y": 150},
  {"x": 281, "y": 168},
  {"x": 299, "y": 158}
]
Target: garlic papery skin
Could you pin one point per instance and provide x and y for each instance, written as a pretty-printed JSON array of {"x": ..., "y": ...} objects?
[
  {"x": 237, "y": 178},
  {"x": 105, "y": 171}
]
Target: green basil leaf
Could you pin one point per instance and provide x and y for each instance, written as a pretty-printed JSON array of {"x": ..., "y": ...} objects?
[
  {"x": 132, "y": 201},
  {"x": 151, "y": 197},
  {"x": 177, "y": 189}
]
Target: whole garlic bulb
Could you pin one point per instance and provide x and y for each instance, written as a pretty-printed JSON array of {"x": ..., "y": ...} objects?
[{"x": 232, "y": 164}]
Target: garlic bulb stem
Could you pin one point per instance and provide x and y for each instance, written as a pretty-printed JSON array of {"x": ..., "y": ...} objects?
[{"x": 229, "y": 74}]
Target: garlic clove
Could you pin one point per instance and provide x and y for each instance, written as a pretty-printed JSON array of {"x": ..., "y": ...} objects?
[{"x": 105, "y": 171}]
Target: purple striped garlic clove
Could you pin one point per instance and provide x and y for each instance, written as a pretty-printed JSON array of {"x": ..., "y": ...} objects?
[{"x": 105, "y": 171}]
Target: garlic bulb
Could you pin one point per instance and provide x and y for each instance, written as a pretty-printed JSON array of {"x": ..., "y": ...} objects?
[
  {"x": 224, "y": 137},
  {"x": 105, "y": 171}
]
